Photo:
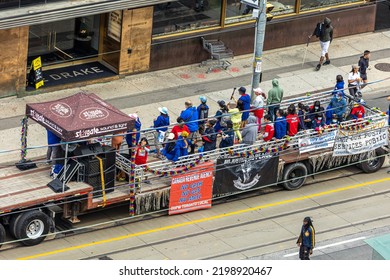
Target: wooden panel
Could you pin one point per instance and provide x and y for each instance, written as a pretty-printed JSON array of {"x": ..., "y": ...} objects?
[
  {"x": 136, "y": 40},
  {"x": 13, "y": 60},
  {"x": 183, "y": 51}
]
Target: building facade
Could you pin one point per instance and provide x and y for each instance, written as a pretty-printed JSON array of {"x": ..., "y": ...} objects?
[{"x": 87, "y": 38}]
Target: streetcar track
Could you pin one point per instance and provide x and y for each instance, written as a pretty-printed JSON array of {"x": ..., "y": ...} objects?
[{"x": 253, "y": 222}]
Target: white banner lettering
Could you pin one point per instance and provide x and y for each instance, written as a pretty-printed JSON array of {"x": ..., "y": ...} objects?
[{"x": 316, "y": 143}]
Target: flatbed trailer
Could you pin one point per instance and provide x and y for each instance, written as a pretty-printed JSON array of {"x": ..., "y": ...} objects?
[{"x": 28, "y": 205}]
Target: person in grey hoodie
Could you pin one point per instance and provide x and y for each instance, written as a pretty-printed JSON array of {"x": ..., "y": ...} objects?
[
  {"x": 249, "y": 132},
  {"x": 275, "y": 96}
]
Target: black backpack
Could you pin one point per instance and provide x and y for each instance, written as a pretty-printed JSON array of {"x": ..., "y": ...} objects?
[
  {"x": 204, "y": 112},
  {"x": 318, "y": 30}
]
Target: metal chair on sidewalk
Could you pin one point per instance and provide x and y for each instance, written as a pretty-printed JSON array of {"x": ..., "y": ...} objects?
[{"x": 219, "y": 54}]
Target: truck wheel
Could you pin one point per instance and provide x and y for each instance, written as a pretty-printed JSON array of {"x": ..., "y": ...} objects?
[
  {"x": 12, "y": 225},
  {"x": 2, "y": 234},
  {"x": 374, "y": 164},
  {"x": 294, "y": 176},
  {"x": 32, "y": 227}
]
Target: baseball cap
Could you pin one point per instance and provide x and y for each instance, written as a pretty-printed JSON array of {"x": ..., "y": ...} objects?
[{"x": 242, "y": 89}]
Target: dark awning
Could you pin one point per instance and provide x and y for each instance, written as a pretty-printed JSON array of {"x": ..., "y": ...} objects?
[
  {"x": 79, "y": 117},
  {"x": 50, "y": 12}
]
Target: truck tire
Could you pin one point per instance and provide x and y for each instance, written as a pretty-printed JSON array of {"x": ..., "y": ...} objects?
[
  {"x": 294, "y": 176},
  {"x": 32, "y": 227},
  {"x": 12, "y": 225},
  {"x": 2, "y": 235},
  {"x": 373, "y": 165}
]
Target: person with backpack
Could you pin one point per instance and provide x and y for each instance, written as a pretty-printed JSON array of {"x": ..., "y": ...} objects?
[
  {"x": 324, "y": 31},
  {"x": 203, "y": 113}
]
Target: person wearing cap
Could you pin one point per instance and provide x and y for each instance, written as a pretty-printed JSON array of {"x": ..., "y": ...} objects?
[
  {"x": 325, "y": 33},
  {"x": 136, "y": 129},
  {"x": 236, "y": 119},
  {"x": 222, "y": 115},
  {"x": 358, "y": 111},
  {"x": 275, "y": 96},
  {"x": 354, "y": 80},
  {"x": 306, "y": 240},
  {"x": 179, "y": 128},
  {"x": 190, "y": 117},
  {"x": 243, "y": 104},
  {"x": 338, "y": 105},
  {"x": 203, "y": 112},
  {"x": 161, "y": 124},
  {"x": 258, "y": 105},
  {"x": 170, "y": 150},
  {"x": 209, "y": 137}
]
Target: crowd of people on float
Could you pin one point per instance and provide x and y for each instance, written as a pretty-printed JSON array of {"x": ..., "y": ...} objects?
[{"x": 240, "y": 121}]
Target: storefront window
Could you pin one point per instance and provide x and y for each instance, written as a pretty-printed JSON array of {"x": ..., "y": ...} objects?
[
  {"x": 185, "y": 15},
  {"x": 315, "y": 4},
  {"x": 238, "y": 12}
]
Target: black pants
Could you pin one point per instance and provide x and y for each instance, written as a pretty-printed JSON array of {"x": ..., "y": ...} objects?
[{"x": 304, "y": 253}]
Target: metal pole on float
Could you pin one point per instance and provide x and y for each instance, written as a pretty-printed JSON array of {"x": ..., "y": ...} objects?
[{"x": 65, "y": 164}]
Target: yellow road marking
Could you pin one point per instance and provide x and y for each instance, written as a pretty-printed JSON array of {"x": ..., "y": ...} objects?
[{"x": 204, "y": 219}]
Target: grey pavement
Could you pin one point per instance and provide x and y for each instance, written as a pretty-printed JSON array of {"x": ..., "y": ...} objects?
[{"x": 144, "y": 93}]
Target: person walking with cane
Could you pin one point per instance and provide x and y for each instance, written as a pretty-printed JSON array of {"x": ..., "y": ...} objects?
[
  {"x": 324, "y": 31},
  {"x": 306, "y": 239}
]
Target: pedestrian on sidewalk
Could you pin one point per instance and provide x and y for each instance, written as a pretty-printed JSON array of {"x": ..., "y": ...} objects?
[
  {"x": 324, "y": 31},
  {"x": 306, "y": 239},
  {"x": 203, "y": 113},
  {"x": 190, "y": 117},
  {"x": 275, "y": 96},
  {"x": 354, "y": 80},
  {"x": 364, "y": 63},
  {"x": 161, "y": 124},
  {"x": 258, "y": 106}
]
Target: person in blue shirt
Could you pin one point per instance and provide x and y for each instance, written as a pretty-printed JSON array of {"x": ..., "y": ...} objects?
[
  {"x": 171, "y": 151},
  {"x": 318, "y": 123},
  {"x": 203, "y": 113},
  {"x": 306, "y": 239},
  {"x": 280, "y": 125},
  {"x": 244, "y": 105},
  {"x": 136, "y": 129},
  {"x": 209, "y": 137},
  {"x": 338, "y": 106},
  {"x": 52, "y": 141},
  {"x": 161, "y": 124},
  {"x": 190, "y": 117},
  {"x": 340, "y": 84}
]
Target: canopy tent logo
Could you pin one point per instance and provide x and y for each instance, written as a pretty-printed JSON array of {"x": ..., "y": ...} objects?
[
  {"x": 62, "y": 110},
  {"x": 93, "y": 114}
]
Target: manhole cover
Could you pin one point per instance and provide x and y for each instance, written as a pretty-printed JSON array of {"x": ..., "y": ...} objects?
[{"x": 383, "y": 67}]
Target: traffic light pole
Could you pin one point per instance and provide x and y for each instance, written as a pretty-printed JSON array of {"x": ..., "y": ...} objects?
[{"x": 258, "y": 48}]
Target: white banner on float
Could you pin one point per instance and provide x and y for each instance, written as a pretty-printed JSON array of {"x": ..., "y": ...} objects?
[
  {"x": 317, "y": 142},
  {"x": 360, "y": 142}
]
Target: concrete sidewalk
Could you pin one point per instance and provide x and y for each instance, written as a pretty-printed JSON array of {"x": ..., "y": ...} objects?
[{"x": 144, "y": 93}]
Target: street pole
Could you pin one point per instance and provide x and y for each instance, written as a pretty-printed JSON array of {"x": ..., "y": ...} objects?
[{"x": 261, "y": 20}]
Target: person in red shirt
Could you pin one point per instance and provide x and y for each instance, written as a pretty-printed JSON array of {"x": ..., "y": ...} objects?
[
  {"x": 292, "y": 121},
  {"x": 357, "y": 112},
  {"x": 141, "y": 155},
  {"x": 268, "y": 130},
  {"x": 179, "y": 128}
]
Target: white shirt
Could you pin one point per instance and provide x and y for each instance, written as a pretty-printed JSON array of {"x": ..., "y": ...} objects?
[
  {"x": 353, "y": 76},
  {"x": 258, "y": 103}
]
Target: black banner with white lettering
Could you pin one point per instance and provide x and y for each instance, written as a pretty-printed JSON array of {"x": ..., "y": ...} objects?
[{"x": 236, "y": 174}]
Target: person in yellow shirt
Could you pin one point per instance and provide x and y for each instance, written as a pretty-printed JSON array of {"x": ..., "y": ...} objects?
[{"x": 236, "y": 119}]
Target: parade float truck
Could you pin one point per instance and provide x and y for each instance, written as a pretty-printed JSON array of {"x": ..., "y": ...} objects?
[{"x": 31, "y": 201}]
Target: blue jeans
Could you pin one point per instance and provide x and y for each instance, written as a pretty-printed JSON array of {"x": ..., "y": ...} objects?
[{"x": 272, "y": 111}]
